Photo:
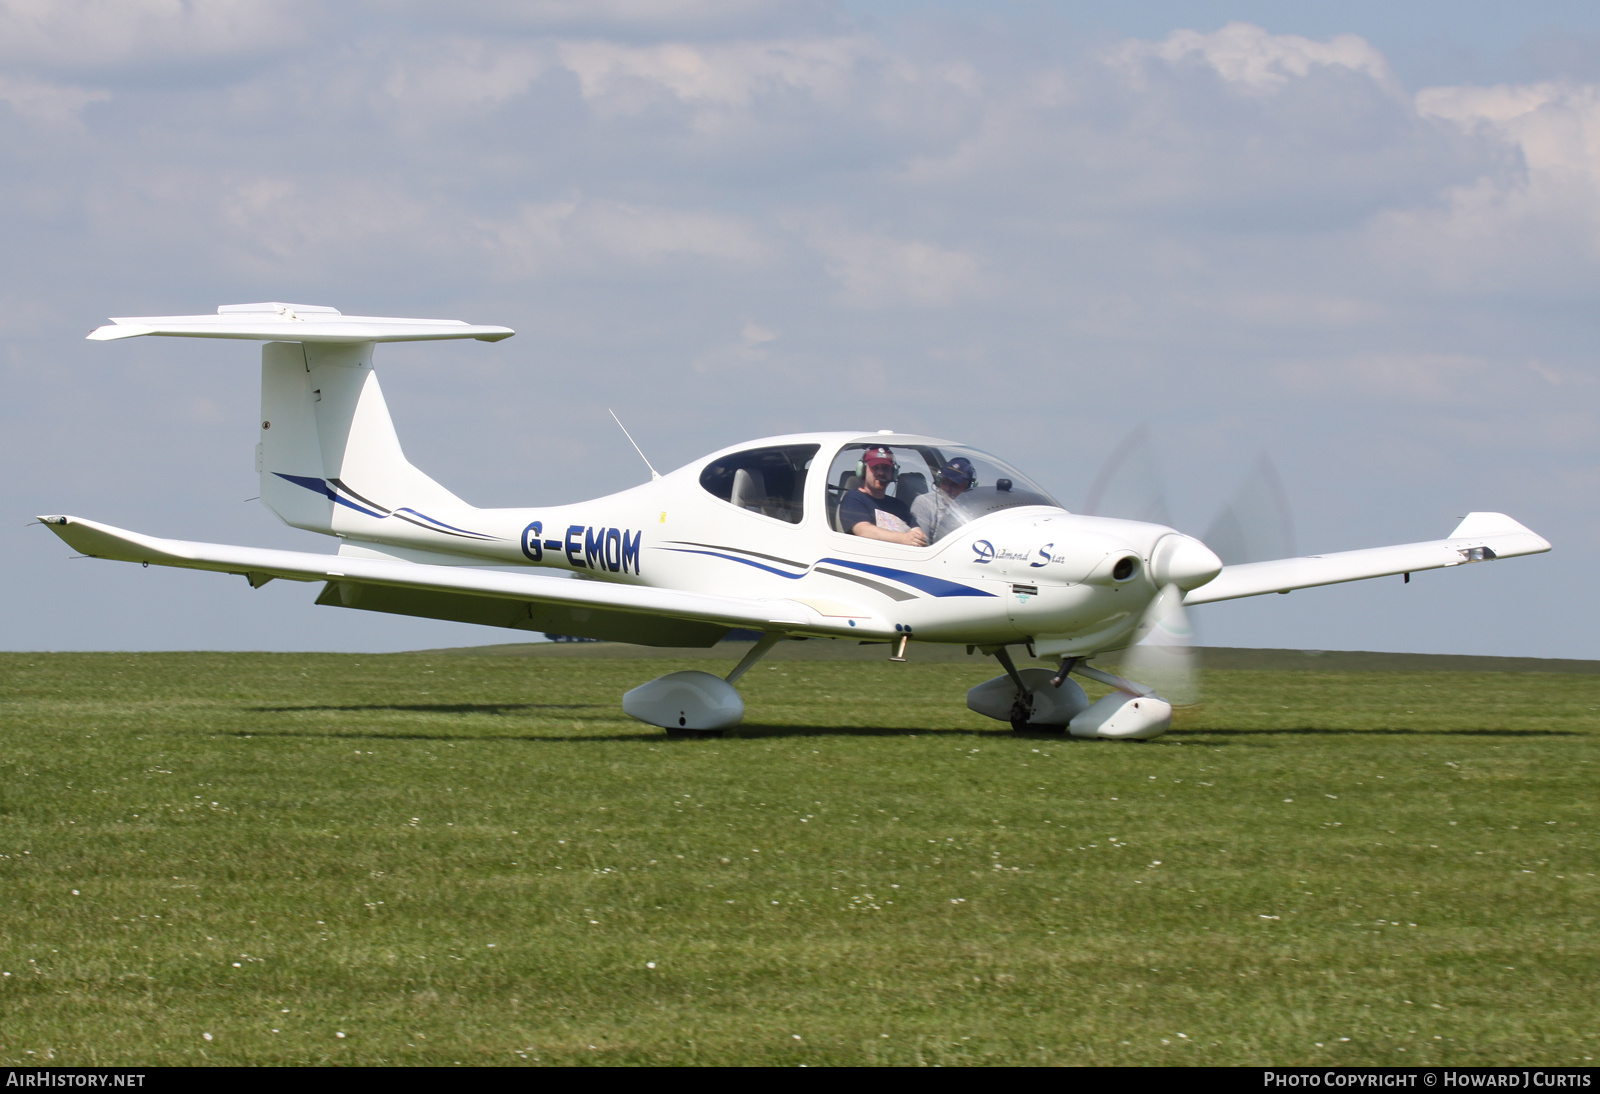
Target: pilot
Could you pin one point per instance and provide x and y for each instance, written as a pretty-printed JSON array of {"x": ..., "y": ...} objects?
[
  {"x": 869, "y": 512},
  {"x": 933, "y": 511}
]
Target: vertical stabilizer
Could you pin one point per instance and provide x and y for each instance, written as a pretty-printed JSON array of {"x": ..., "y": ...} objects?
[
  {"x": 329, "y": 458},
  {"x": 289, "y": 456}
]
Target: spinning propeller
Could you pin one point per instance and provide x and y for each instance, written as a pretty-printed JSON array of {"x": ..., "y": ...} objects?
[
  {"x": 1162, "y": 657},
  {"x": 1252, "y": 526}
]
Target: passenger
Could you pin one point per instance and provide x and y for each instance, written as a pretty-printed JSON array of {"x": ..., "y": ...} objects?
[
  {"x": 870, "y": 513},
  {"x": 934, "y": 512}
]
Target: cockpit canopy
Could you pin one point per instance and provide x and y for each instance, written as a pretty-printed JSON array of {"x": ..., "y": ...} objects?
[
  {"x": 940, "y": 510},
  {"x": 771, "y": 481}
]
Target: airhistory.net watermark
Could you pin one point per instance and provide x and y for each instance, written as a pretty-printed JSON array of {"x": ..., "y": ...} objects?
[{"x": 48, "y": 1078}]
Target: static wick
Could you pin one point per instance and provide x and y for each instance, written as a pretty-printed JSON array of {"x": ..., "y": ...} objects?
[{"x": 654, "y": 474}]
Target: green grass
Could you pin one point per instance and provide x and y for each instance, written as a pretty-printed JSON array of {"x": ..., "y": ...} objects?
[{"x": 475, "y": 859}]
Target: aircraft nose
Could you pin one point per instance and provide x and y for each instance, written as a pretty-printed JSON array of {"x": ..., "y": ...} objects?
[{"x": 1183, "y": 561}]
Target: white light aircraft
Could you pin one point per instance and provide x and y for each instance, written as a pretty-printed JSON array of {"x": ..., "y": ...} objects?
[{"x": 748, "y": 538}]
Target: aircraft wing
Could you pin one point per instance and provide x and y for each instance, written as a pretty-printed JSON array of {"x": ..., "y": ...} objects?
[
  {"x": 1480, "y": 537},
  {"x": 528, "y": 601}
]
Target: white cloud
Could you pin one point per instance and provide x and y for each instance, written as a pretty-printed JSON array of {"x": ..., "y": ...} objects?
[
  {"x": 752, "y": 349},
  {"x": 1555, "y": 126},
  {"x": 1296, "y": 308},
  {"x": 1248, "y": 56},
  {"x": 1238, "y": 129},
  {"x": 779, "y": 99},
  {"x": 1536, "y": 224},
  {"x": 77, "y": 34},
  {"x": 877, "y": 270},
  {"x": 1419, "y": 378},
  {"x": 626, "y": 12},
  {"x": 465, "y": 74},
  {"x": 592, "y": 234},
  {"x": 627, "y": 78},
  {"x": 52, "y": 105},
  {"x": 630, "y": 17},
  {"x": 275, "y": 225}
]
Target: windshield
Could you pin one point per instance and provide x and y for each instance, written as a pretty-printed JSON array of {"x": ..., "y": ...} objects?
[{"x": 944, "y": 487}]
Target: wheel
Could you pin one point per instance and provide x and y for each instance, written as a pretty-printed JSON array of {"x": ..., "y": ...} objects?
[
  {"x": 674, "y": 731},
  {"x": 1028, "y": 727},
  {"x": 1021, "y": 711}
]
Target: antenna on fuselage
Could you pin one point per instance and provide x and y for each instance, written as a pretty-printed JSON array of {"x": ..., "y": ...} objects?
[{"x": 654, "y": 474}]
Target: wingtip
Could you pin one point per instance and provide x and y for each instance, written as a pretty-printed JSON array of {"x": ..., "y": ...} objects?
[
  {"x": 112, "y": 331},
  {"x": 1478, "y": 525}
]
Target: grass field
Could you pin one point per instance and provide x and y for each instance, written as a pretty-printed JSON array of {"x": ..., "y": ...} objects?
[{"x": 476, "y": 858}]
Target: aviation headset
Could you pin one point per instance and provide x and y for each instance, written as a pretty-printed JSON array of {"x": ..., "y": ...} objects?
[
  {"x": 962, "y": 466},
  {"x": 894, "y": 465}
]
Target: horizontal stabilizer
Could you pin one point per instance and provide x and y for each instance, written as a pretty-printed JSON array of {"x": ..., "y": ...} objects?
[
  {"x": 350, "y": 575},
  {"x": 1481, "y": 537},
  {"x": 275, "y": 322}
]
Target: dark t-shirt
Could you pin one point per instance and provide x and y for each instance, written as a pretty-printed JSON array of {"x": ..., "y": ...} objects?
[{"x": 857, "y": 507}]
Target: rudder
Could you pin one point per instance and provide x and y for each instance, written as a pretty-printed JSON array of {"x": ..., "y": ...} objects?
[{"x": 328, "y": 456}]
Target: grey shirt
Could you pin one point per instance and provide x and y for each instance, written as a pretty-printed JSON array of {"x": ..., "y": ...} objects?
[{"x": 936, "y": 515}]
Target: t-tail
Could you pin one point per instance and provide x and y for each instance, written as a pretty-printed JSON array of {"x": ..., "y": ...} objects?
[
  {"x": 328, "y": 455},
  {"x": 329, "y": 458}
]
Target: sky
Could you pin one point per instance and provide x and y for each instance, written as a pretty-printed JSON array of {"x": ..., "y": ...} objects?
[{"x": 1362, "y": 239}]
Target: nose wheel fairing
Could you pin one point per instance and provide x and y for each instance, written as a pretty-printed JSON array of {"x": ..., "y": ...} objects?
[{"x": 1123, "y": 717}]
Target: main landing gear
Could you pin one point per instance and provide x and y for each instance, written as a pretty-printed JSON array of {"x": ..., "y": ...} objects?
[
  {"x": 1027, "y": 698},
  {"x": 693, "y": 703},
  {"x": 1032, "y": 700},
  {"x": 1036, "y": 700}
]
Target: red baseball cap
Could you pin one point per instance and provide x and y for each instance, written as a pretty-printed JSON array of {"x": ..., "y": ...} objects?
[{"x": 877, "y": 455}]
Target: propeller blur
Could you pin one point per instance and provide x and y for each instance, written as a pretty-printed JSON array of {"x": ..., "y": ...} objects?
[{"x": 875, "y": 537}]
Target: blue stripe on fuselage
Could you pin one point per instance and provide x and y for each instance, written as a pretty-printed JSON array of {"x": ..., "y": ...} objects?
[
  {"x": 440, "y": 523},
  {"x": 934, "y": 586},
  {"x": 318, "y": 486},
  {"x": 736, "y": 558}
]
